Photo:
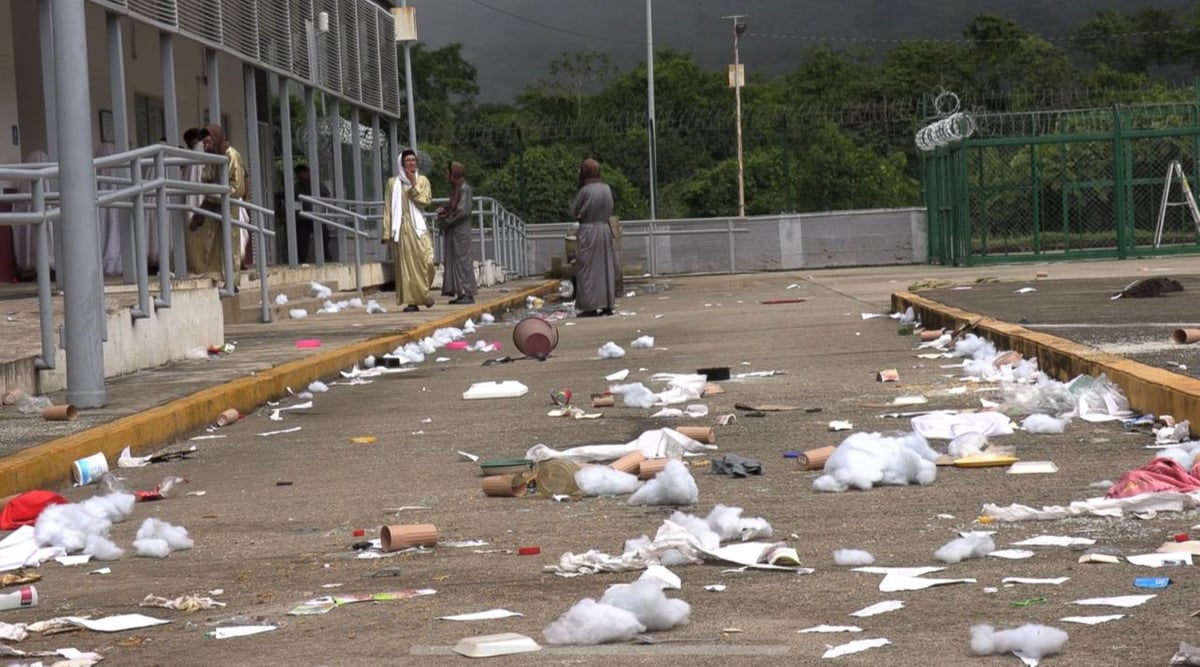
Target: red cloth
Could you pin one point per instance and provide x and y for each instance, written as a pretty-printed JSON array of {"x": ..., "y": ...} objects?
[
  {"x": 25, "y": 508},
  {"x": 1160, "y": 474}
]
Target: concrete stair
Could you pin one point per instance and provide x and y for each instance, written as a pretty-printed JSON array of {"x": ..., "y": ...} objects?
[{"x": 245, "y": 307}]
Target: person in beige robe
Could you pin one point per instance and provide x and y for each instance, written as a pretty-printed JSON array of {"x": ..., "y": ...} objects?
[
  {"x": 405, "y": 198},
  {"x": 203, "y": 241}
]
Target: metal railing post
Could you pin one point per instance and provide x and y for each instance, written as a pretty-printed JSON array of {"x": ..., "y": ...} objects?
[
  {"x": 732, "y": 261},
  {"x": 230, "y": 287},
  {"x": 45, "y": 305},
  {"x": 289, "y": 170},
  {"x": 164, "y": 233},
  {"x": 482, "y": 228},
  {"x": 260, "y": 260},
  {"x": 139, "y": 260},
  {"x": 358, "y": 248}
]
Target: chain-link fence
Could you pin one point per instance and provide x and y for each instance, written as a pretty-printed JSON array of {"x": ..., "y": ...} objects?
[{"x": 1062, "y": 184}]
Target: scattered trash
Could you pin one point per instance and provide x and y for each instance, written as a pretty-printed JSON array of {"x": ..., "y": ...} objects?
[
  {"x": 487, "y": 646},
  {"x": 865, "y": 459},
  {"x": 1055, "y": 541},
  {"x": 1092, "y": 620},
  {"x": 308, "y": 343},
  {"x": 673, "y": 486},
  {"x": 496, "y": 389},
  {"x": 489, "y": 615},
  {"x": 645, "y": 599},
  {"x": 605, "y": 481},
  {"x": 589, "y": 622},
  {"x": 878, "y": 608},
  {"x": 188, "y": 603},
  {"x": 840, "y": 425},
  {"x": 766, "y": 407},
  {"x": 814, "y": 459},
  {"x": 736, "y": 466},
  {"x": 26, "y": 596},
  {"x": 394, "y": 538},
  {"x": 228, "y": 417},
  {"x": 1123, "y": 601},
  {"x": 888, "y": 375},
  {"x": 618, "y": 376},
  {"x": 158, "y": 539},
  {"x": 972, "y": 545},
  {"x": 1031, "y": 641},
  {"x": 894, "y": 582},
  {"x": 1032, "y": 468},
  {"x": 529, "y": 551},
  {"x": 852, "y": 557},
  {"x": 89, "y": 469},
  {"x": 856, "y": 646},
  {"x": 642, "y": 343},
  {"x": 116, "y": 623},
  {"x": 610, "y": 350},
  {"x": 1152, "y": 582},
  {"x": 231, "y": 631}
]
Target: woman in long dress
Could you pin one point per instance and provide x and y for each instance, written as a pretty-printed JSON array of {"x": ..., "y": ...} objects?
[
  {"x": 406, "y": 196},
  {"x": 458, "y": 274},
  {"x": 204, "y": 241},
  {"x": 595, "y": 255}
]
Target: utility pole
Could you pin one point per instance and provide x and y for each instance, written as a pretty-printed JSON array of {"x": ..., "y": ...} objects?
[
  {"x": 739, "y": 27},
  {"x": 651, "y": 139}
]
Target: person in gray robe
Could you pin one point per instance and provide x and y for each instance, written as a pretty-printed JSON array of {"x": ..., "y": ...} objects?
[
  {"x": 454, "y": 219},
  {"x": 595, "y": 254}
]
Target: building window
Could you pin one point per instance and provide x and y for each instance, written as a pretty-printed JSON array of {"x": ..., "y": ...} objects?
[{"x": 149, "y": 119}]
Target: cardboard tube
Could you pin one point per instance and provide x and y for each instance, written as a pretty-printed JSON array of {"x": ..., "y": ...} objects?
[
  {"x": 814, "y": 459},
  {"x": 1041, "y": 274},
  {"x": 931, "y": 334},
  {"x": 228, "y": 417},
  {"x": 395, "y": 538},
  {"x": 1186, "y": 336},
  {"x": 505, "y": 486},
  {"x": 651, "y": 467},
  {"x": 11, "y": 396},
  {"x": 603, "y": 401},
  {"x": 1010, "y": 357},
  {"x": 629, "y": 463},
  {"x": 702, "y": 434},
  {"x": 60, "y": 413}
]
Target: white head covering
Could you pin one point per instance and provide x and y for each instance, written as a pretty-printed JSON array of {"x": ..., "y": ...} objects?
[{"x": 400, "y": 199}]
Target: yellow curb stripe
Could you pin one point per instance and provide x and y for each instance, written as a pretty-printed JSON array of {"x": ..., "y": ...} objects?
[
  {"x": 49, "y": 464},
  {"x": 1149, "y": 389}
]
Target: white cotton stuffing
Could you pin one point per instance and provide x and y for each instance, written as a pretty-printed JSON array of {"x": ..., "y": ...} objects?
[
  {"x": 369, "y": 362},
  {"x": 610, "y": 350},
  {"x": 84, "y": 526},
  {"x": 355, "y": 303},
  {"x": 975, "y": 347},
  {"x": 973, "y": 545},
  {"x": 635, "y": 395},
  {"x": 699, "y": 528},
  {"x": 319, "y": 291},
  {"x": 590, "y": 622},
  {"x": 487, "y": 318},
  {"x": 373, "y": 307},
  {"x": 1026, "y": 369},
  {"x": 673, "y": 486},
  {"x": 979, "y": 368},
  {"x": 728, "y": 524},
  {"x": 636, "y": 543},
  {"x": 318, "y": 387},
  {"x": 852, "y": 557},
  {"x": 330, "y": 307},
  {"x": 605, "y": 481},
  {"x": 645, "y": 599},
  {"x": 1032, "y": 639},
  {"x": 297, "y": 313},
  {"x": 428, "y": 345},
  {"x": 967, "y": 444},
  {"x": 1180, "y": 455},
  {"x": 447, "y": 335},
  {"x": 158, "y": 538},
  {"x": 281, "y": 299},
  {"x": 642, "y": 343},
  {"x": 866, "y": 459},
  {"x": 1039, "y": 423}
]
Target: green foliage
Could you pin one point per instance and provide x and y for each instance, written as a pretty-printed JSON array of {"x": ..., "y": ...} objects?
[
  {"x": 834, "y": 133},
  {"x": 540, "y": 184}
]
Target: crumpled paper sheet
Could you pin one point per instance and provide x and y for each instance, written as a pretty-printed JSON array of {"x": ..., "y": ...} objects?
[
  {"x": 188, "y": 603},
  {"x": 1161, "y": 501},
  {"x": 654, "y": 444}
]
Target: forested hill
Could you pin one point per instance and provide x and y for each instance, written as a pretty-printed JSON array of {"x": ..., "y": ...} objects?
[{"x": 502, "y": 38}]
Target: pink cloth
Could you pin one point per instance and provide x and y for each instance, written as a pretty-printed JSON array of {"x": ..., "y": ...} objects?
[{"x": 1160, "y": 474}]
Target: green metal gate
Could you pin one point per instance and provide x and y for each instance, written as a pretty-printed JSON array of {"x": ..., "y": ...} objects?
[{"x": 1074, "y": 184}]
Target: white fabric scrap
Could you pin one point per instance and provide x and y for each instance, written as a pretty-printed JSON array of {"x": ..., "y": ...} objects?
[
  {"x": 1122, "y": 601},
  {"x": 898, "y": 582},
  {"x": 831, "y": 628},
  {"x": 1092, "y": 620},
  {"x": 1055, "y": 541},
  {"x": 610, "y": 350},
  {"x": 878, "y": 608},
  {"x": 947, "y": 425},
  {"x": 128, "y": 460},
  {"x": 653, "y": 444}
]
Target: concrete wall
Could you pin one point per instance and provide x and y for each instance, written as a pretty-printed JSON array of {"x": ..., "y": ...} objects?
[
  {"x": 143, "y": 74},
  {"x": 193, "y": 320},
  {"x": 765, "y": 243}
]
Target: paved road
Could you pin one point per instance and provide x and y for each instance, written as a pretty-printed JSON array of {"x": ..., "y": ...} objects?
[{"x": 271, "y": 546}]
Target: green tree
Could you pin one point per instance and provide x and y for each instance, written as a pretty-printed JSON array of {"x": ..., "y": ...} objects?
[
  {"x": 540, "y": 184},
  {"x": 444, "y": 84},
  {"x": 1007, "y": 57},
  {"x": 572, "y": 78}
]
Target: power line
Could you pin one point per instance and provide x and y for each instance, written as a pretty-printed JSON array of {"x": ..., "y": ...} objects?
[
  {"x": 961, "y": 40},
  {"x": 555, "y": 28}
]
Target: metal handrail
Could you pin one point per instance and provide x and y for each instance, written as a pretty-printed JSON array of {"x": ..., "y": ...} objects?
[
  {"x": 358, "y": 234},
  {"x": 131, "y": 192}
]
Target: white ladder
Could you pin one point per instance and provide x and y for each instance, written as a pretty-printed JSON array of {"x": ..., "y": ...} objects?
[{"x": 1175, "y": 170}]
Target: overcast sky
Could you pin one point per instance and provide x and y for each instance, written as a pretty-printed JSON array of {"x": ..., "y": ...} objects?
[{"x": 511, "y": 41}]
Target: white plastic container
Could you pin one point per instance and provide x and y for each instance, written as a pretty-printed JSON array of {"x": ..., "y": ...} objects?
[
  {"x": 89, "y": 469},
  {"x": 25, "y": 596},
  {"x": 486, "y": 646},
  {"x": 497, "y": 389}
]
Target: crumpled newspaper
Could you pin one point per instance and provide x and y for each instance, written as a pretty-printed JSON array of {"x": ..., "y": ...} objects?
[{"x": 188, "y": 603}]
